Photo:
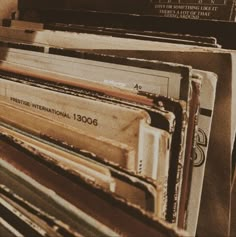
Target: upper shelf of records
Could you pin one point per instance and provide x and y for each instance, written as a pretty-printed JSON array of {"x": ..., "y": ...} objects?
[
  {"x": 214, "y": 18},
  {"x": 188, "y": 9}
]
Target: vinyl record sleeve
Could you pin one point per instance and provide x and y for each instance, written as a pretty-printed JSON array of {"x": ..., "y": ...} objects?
[
  {"x": 166, "y": 79},
  {"x": 95, "y": 197}
]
